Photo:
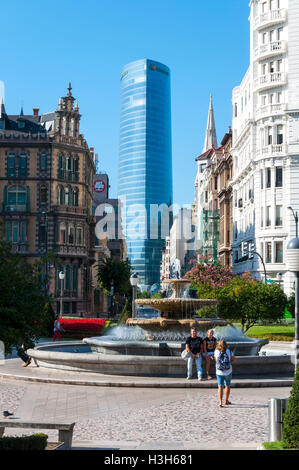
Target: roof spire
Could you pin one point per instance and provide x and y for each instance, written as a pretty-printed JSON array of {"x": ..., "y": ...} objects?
[
  {"x": 69, "y": 89},
  {"x": 2, "y": 109},
  {"x": 211, "y": 137}
]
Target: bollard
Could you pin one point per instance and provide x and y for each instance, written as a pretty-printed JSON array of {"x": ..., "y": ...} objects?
[{"x": 277, "y": 408}]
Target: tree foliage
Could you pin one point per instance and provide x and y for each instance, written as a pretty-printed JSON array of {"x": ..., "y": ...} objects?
[
  {"x": 241, "y": 298},
  {"x": 117, "y": 273},
  {"x": 249, "y": 301},
  {"x": 23, "y": 299}
]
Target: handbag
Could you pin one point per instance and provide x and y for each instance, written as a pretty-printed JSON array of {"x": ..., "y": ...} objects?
[{"x": 184, "y": 354}]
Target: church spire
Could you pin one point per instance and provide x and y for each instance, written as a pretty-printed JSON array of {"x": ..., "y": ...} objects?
[
  {"x": 2, "y": 109},
  {"x": 211, "y": 137}
]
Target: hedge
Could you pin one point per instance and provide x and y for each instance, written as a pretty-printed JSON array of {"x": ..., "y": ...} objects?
[
  {"x": 33, "y": 442},
  {"x": 290, "y": 431}
]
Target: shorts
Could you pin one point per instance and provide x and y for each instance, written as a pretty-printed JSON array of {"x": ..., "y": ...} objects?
[
  {"x": 224, "y": 380},
  {"x": 210, "y": 354}
]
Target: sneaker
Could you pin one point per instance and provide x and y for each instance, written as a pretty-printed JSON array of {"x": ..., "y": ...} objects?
[
  {"x": 188, "y": 378},
  {"x": 199, "y": 378}
]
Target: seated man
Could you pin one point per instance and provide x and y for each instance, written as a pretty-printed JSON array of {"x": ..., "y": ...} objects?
[
  {"x": 194, "y": 348},
  {"x": 209, "y": 346}
]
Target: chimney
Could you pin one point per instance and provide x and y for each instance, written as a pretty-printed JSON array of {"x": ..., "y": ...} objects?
[{"x": 35, "y": 111}]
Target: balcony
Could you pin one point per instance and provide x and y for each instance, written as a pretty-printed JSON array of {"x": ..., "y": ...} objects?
[
  {"x": 270, "y": 110},
  {"x": 270, "y": 80},
  {"x": 270, "y": 50},
  {"x": 275, "y": 150},
  {"x": 71, "y": 250},
  {"x": 70, "y": 209},
  {"x": 15, "y": 208},
  {"x": 272, "y": 17}
]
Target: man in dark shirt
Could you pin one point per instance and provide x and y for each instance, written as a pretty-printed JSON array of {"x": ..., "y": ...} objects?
[{"x": 194, "y": 347}]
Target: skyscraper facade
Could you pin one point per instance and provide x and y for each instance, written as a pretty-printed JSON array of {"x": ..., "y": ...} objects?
[{"x": 145, "y": 164}]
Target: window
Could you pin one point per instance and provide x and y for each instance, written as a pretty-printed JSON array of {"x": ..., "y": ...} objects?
[
  {"x": 75, "y": 197},
  {"x": 43, "y": 161},
  {"x": 268, "y": 216},
  {"x": 278, "y": 177},
  {"x": 79, "y": 237},
  {"x": 271, "y": 35},
  {"x": 268, "y": 177},
  {"x": 278, "y": 97},
  {"x": 280, "y": 134},
  {"x": 264, "y": 97},
  {"x": 264, "y": 7},
  {"x": 236, "y": 110},
  {"x": 15, "y": 232},
  {"x": 263, "y": 69},
  {"x": 278, "y": 252},
  {"x": 16, "y": 196},
  {"x": 271, "y": 67},
  {"x": 270, "y": 135},
  {"x": 279, "y": 34},
  {"x": 11, "y": 170},
  {"x": 268, "y": 252},
  {"x": 23, "y": 165},
  {"x": 67, "y": 196},
  {"x": 71, "y": 237},
  {"x": 279, "y": 65},
  {"x": 271, "y": 98},
  {"x": 262, "y": 179},
  {"x": 262, "y": 217},
  {"x": 278, "y": 216},
  {"x": 264, "y": 38},
  {"x": 43, "y": 194},
  {"x": 42, "y": 234}
]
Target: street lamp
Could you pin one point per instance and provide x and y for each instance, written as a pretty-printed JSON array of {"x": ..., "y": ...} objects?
[
  {"x": 134, "y": 281},
  {"x": 279, "y": 278},
  {"x": 293, "y": 265},
  {"x": 295, "y": 214},
  {"x": 61, "y": 277}
]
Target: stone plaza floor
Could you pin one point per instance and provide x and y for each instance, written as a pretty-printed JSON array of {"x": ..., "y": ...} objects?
[{"x": 146, "y": 417}]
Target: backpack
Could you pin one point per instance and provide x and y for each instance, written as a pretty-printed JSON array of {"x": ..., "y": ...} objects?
[{"x": 223, "y": 361}]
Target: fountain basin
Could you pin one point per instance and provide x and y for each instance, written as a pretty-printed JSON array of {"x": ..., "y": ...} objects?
[{"x": 56, "y": 356}]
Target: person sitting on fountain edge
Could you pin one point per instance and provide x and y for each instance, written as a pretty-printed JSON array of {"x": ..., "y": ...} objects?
[
  {"x": 194, "y": 347},
  {"x": 209, "y": 346}
]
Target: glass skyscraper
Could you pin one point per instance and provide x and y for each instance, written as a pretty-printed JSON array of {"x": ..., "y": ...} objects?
[{"x": 145, "y": 164}]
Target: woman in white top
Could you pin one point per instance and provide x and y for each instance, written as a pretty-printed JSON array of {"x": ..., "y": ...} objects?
[{"x": 223, "y": 360}]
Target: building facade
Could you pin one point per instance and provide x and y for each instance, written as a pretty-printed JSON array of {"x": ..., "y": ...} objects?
[
  {"x": 145, "y": 164},
  {"x": 265, "y": 147},
  {"x": 46, "y": 173}
]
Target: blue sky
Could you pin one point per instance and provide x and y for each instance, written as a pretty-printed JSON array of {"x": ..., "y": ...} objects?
[{"x": 204, "y": 42}]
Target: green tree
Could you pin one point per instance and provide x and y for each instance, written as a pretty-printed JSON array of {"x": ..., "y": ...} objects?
[
  {"x": 290, "y": 432},
  {"x": 22, "y": 300},
  {"x": 249, "y": 301},
  {"x": 117, "y": 273}
]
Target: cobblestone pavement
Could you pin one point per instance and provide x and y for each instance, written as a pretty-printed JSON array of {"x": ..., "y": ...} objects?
[{"x": 144, "y": 416}]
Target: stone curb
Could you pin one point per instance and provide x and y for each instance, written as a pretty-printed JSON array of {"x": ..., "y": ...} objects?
[{"x": 237, "y": 383}]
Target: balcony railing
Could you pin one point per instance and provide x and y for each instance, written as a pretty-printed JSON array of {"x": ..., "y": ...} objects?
[
  {"x": 15, "y": 208},
  {"x": 270, "y": 80},
  {"x": 270, "y": 18},
  {"x": 275, "y": 149},
  {"x": 271, "y": 109},
  {"x": 69, "y": 249},
  {"x": 270, "y": 49}
]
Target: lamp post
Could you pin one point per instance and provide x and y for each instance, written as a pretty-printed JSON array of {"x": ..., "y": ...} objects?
[
  {"x": 295, "y": 214},
  {"x": 279, "y": 278},
  {"x": 134, "y": 281},
  {"x": 293, "y": 265},
  {"x": 61, "y": 277},
  {"x": 262, "y": 260}
]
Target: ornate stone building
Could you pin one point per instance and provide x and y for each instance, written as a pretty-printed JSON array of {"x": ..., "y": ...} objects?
[{"x": 46, "y": 176}]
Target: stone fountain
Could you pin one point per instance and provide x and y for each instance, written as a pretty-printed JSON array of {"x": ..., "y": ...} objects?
[
  {"x": 152, "y": 347},
  {"x": 177, "y": 313}
]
